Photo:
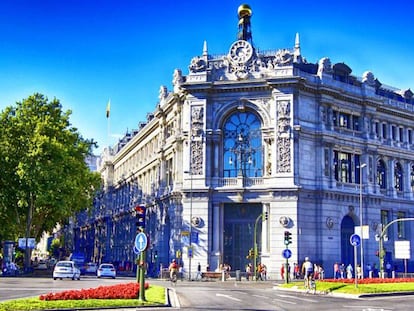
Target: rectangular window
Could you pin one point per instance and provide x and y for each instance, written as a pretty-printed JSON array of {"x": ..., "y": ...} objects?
[
  {"x": 394, "y": 132},
  {"x": 326, "y": 169},
  {"x": 410, "y": 136},
  {"x": 401, "y": 226},
  {"x": 344, "y": 120},
  {"x": 384, "y": 131},
  {"x": 385, "y": 215},
  {"x": 355, "y": 123},
  {"x": 335, "y": 118},
  {"x": 344, "y": 167},
  {"x": 377, "y": 129},
  {"x": 401, "y": 134}
]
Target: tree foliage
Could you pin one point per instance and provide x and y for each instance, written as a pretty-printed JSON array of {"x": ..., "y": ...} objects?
[{"x": 44, "y": 177}]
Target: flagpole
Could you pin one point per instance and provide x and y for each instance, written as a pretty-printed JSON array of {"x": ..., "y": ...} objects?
[{"x": 108, "y": 123}]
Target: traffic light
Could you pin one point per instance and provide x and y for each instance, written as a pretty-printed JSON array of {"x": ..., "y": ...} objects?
[
  {"x": 251, "y": 254},
  {"x": 266, "y": 216},
  {"x": 288, "y": 238},
  {"x": 140, "y": 214}
]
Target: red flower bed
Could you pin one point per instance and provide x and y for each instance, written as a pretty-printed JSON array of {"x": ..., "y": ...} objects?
[
  {"x": 120, "y": 291},
  {"x": 371, "y": 280}
]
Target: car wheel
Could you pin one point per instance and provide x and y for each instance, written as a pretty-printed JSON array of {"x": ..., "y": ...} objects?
[{"x": 54, "y": 279}]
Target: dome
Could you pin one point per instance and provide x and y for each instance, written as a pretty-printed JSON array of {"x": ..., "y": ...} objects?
[{"x": 244, "y": 10}]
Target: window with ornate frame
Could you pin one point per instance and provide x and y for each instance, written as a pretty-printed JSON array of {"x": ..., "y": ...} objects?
[
  {"x": 398, "y": 177},
  {"x": 242, "y": 145},
  {"x": 401, "y": 225},
  {"x": 381, "y": 174}
]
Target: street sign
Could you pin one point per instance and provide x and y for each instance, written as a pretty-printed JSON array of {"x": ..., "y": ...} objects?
[
  {"x": 136, "y": 251},
  {"x": 355, "y": 240},
  {"x": 402, "y": 249},
  {"x": 287, "y": 253},
  {"x": 141, "y": 241}
]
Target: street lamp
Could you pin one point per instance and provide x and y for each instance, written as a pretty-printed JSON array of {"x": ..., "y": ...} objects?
[
  {"x": 243, "y": 153},
  {"x": 361, "y": 166}
]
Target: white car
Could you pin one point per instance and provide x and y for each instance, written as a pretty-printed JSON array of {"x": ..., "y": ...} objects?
[
  {"x": 106, "y": 269},
  {"x": 66, "y": 269},
  {"x": 91, "y": 267}
]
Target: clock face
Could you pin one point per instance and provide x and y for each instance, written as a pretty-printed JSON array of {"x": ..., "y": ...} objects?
[{"x": 240, "y": 51}]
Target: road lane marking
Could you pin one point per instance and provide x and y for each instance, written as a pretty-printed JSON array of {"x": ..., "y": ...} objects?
[
  {"x": 298, "y": 298},
  {"x": 228, "y": 297},
  {"x": 284, "y": 301}
]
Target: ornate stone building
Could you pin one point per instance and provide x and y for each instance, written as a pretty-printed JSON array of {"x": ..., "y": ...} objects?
[{"x": 248, "y": 145}]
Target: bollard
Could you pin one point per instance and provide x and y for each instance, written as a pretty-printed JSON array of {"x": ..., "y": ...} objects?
[
  {"x": 238, "y": 275},
  {"x": 223, "y": 276},
  {"x": 370, "y": 274},
  {"x": 393, "y": 274}
]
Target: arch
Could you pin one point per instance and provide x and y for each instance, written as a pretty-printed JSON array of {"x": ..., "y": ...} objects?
[
  {"x": 347, "y": 250},
  {"x": 224, "y": 110}
]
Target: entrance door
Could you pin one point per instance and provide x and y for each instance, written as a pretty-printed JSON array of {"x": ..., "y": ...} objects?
[
  {"x": 347, "y": 250},
  {"x": 238, "y": 233}
]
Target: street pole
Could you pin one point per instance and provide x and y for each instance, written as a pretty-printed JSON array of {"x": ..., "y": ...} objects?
[
  {"x": 381, "y": 242},
  {"x": 190, "y": 253},
  {"x": 361, "y": 166},
  {"x": 255, "y": 246},
  {"x": 141, "y": 293}
]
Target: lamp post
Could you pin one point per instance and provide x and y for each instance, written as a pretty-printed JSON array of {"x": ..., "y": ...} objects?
[
  {"x": 243, "y": 153},
  {"x": 361, "y": 166}
]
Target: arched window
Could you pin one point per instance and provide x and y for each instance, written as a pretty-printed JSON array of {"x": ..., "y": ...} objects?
[
  {"x": 381, "y": 174},
  {"x": 412, "y": 178},
  {"x": 242, "y": 145},
  {"x": 398, "y": 177}
]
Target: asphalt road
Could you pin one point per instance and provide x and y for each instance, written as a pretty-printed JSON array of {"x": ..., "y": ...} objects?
[{"x": 229, "y": 295}]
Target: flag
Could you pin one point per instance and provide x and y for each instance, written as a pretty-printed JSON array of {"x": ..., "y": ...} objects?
[{"x": 108, "y": 108}]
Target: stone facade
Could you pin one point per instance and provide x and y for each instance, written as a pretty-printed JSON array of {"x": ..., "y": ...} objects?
[{"x": 328, "y": 143}]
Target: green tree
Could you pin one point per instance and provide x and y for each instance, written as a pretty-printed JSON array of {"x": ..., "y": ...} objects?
[{"x": 44, "y": 178}]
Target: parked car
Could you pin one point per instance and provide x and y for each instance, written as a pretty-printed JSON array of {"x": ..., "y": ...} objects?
[
  {"x": 106, "y": 270},
  {"x": 66, "y": 269},
  {"x": 42, "y": 265},
  {"x": 91, "y": 268}
]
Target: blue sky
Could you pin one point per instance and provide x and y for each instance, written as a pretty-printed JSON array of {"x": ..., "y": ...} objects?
[{"x": 87, "y": 52}]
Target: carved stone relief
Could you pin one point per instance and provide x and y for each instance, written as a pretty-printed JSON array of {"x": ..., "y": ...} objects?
[
  {"x": 283, "y": 155},
  {"x": 196, "y": 146},
  {"x": 283, "y": 140}
]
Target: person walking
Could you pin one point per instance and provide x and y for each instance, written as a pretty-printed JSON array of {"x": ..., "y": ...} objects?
[{"x": 199, "y": 276}]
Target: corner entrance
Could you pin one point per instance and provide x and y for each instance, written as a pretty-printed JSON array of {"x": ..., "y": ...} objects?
[
  {"x": 238, "y": 233},
  {"x": 347, "y": 250}
]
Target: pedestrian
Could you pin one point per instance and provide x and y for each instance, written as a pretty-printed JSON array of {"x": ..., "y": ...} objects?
[
  {"x": 198, "y": 276},
  {"x": 349, "y": 271},
  {"x": 342, "y": 270},
  {"x": 336, "y": 270},
  {"x": 248, "y": 271},
  {"x": 359, "y": 272},
  {"x": 264, "y": 272},
  {"x": 282, "y": 271}
]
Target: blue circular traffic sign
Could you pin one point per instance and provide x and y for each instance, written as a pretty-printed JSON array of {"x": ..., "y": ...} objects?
[
  {"x": 141, "y": 241},
  {"x": 355, "y": 240},
  {"x": 287, "y": 253}
]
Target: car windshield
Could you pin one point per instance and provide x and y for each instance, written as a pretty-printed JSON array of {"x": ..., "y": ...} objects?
[
  {"x": 64, "y": 264},
  {"x": 107, "y": 267}
]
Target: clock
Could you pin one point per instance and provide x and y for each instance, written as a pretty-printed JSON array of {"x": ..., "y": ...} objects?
[{"x": 240, "y": 52}]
